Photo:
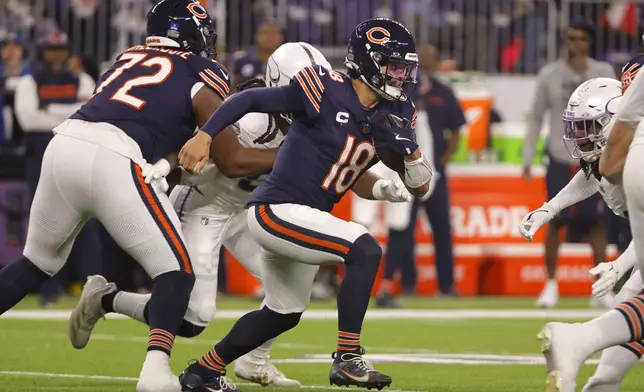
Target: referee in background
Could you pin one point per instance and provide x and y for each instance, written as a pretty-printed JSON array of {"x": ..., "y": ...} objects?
[{"x": 556, "y": 83}]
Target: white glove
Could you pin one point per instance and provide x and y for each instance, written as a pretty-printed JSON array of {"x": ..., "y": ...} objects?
[
  {"x": 391, "y": 190},
  {"x": 534, "y": 220},
  {"x": 155, "y": 175},
  {"x": 608, "y": 274}
]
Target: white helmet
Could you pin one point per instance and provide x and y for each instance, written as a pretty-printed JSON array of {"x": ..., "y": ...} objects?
[
  {"x": 289, "y": 59},
  {"x": 590, "y": 109}
]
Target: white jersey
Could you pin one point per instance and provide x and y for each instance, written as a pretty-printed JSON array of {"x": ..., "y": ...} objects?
[
  {"x": 613, "y": 196},
  {"x": 582, "y": 187},
  {"x": 229, "y": 195}
]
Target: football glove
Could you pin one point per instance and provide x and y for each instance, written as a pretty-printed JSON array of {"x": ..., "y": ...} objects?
[
  {"x": 155, "y": 175},
  {"x": 391, "y": 131},
  {"x": 608, "y": 274},
  {"x": 534, "y": 220},
  {"x": 391, "y": 190}
]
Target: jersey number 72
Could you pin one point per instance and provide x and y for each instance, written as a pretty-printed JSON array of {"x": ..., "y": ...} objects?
[{"x": 161, "y": 63}]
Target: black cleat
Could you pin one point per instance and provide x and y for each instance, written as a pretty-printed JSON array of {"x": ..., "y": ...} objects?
[
  {"x": 351, "y": 369},
  {"x": 216, "y": 382}
]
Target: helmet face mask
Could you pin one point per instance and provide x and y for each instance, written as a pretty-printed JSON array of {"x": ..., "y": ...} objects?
[
  {"x": 587, "y": 120},
  {"x": 585, "y": 139},
  {"x": 398, "y": 76}
]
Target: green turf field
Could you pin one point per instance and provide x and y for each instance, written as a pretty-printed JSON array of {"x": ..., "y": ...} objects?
[{"x": 447, "y": 345}]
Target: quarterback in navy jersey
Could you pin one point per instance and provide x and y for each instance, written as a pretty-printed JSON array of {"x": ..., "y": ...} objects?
[
  {"x": 339, "y": 122},
  {"x": 145, "y": 107}
]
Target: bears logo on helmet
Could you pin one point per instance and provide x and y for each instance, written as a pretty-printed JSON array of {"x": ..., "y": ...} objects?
[
  {"x": 372, "y": 38},
  {"x": 382, "y": 53},
  {"x": 197, "y": 10},
  {"x": 630, "y": 69},
  {"x": 183, "y": 24}
]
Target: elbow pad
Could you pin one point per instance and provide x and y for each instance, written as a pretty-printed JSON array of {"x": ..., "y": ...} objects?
[{"x": 418, "y": 172}]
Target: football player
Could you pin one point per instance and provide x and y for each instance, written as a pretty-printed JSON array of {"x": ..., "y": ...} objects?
[
  {"x": 567, "y": 346},
  {"x": 339, "y": 123},
  {"x": 145, "y": 107},
  {"x": 587, "y": 122}
]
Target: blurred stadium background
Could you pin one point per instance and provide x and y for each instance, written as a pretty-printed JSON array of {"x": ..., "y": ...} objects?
[{"x": 489, "y": 53}]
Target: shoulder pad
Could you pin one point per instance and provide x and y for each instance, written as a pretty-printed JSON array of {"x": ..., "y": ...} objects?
[{"x": 213, "y": 75}]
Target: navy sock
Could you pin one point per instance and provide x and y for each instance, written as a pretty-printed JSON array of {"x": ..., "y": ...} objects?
[
  {"x": 107, "y": 302},
  {"x": 166, "y": 308},
  {"x": 353, "y": 299},
  {"x": 248, "y": 333},
  {"x": 17, "y": 280}
]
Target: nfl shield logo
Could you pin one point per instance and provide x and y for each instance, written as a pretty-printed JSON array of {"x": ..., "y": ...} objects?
[{"x": 205, "y": 221}]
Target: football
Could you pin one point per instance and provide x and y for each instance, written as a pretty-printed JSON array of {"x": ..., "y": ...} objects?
[{"x": 391, "y": 159}]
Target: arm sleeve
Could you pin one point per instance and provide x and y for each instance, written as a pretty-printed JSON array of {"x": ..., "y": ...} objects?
[
  {"x": 578, "y": 189},
  {"x": 262, "y": 100},
  {"x": 31, "y": 118},
  {"x": 535, "y": 119},
  {"x": 627, "y": 259},
  {"x": 85, "y": 91}
]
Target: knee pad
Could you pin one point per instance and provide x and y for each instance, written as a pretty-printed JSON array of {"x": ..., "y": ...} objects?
[
  {"x": 189, "y": 330},
  {"x": 203, "y": 302},
  {"x": 365, "y": 248}
]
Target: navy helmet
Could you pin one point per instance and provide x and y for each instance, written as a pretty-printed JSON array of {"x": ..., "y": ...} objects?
[
  {"x": 630, "y": 69},
  {"x": 183, "y": 24},
  {"x": 382, "y": 53}
]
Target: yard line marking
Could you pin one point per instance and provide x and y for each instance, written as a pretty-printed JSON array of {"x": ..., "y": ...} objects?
[
  {"x": 118, "y": 378},
  {"x": 375, "y": 314},
  {"x": 437, "y": 358}
]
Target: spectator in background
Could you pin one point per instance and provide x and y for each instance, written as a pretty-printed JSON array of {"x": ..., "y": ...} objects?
[
  {"x": 12, "y": 67},
  {"x": 82, "y": 64},
  {"x": 44, "y": 100},
  {"x": 251, "y": 63},
  {"x": 441, "y": 117},
  {"x": 555, "y": 84}
]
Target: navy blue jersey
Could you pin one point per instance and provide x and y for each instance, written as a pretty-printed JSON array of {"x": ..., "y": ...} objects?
[
  {"x": 148, "y": 94},
  {"x": 325, "y": 151}
]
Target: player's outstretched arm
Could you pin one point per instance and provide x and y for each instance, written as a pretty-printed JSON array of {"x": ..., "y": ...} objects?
[
  {"x": 578, "y": 189},
  {"x": 215, "y": 117}
]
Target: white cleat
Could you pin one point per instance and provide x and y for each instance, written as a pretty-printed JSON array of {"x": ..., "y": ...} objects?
[
  {"x": 595, "y": 384},
  {"x": 563, "y": 356},
  {"x": 549, "y": 297},
  {"x": 262, "y": 372},
  {"x": 156, "y": 375},
  {"x": 88, "y": 310}
]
